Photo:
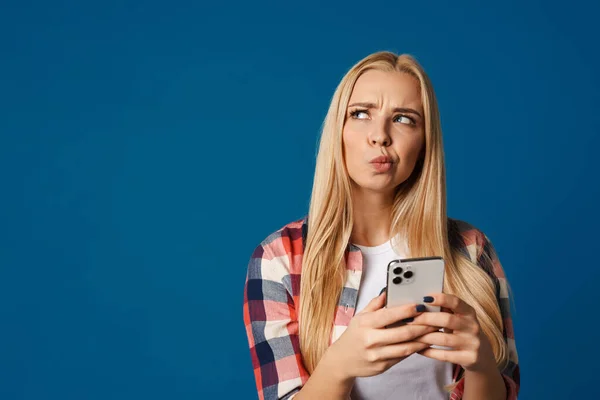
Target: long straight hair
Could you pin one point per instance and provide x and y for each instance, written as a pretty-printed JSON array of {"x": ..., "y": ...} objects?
[{"x": 418, "y": 214}]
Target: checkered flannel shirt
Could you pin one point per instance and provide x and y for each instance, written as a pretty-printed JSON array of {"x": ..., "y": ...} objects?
[{"x": 271, "y": 299}]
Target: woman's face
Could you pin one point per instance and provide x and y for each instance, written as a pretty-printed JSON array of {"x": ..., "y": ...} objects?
[{"x": 384, "y": 118}]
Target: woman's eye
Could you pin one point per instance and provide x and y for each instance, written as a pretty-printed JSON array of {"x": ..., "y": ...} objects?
[
  {"x": 364, "y": 114},
  {"x": 405, "y": 120},
  {"x": 359, "y": 114}
]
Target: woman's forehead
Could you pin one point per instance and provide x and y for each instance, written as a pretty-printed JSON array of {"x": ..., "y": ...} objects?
[{"x": 399, "y": 89}]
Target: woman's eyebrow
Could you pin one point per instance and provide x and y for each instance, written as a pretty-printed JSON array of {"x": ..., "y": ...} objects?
[{"x": 397, "y": 109}]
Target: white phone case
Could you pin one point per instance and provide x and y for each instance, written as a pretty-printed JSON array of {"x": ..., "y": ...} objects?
[
  {"x": 409, "y": 280},
  {"x": 426, "y": 277}
]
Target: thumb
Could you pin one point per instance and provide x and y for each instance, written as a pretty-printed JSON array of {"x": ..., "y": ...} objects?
[{"x": 376, "y": 303}]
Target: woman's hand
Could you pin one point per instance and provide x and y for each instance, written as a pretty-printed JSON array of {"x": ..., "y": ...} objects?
[
  {"x": 368, "y": 348},
  {"x": 470, "y": 347}
]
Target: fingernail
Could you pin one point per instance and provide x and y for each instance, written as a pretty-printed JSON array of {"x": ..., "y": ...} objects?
[
  {"x": 428, "y": 299},
  {"x": 421, "y": 308},
  {"x": 406, "y": 320},
  {"x": 382, "y": 290}
]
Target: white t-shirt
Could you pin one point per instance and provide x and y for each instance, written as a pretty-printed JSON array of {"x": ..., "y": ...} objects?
[{"x": 416, "y": 377}]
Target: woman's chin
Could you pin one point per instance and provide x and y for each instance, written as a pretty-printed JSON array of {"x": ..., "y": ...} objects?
[{"x": 382, "y": 188}]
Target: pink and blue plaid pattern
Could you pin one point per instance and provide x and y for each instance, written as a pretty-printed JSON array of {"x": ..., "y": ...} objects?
[{"x": 271, "y": 296}]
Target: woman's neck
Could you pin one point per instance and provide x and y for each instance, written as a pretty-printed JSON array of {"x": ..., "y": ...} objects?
[{"x": 372, "y": 214}]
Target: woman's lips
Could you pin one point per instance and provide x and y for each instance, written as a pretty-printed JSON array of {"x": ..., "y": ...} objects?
[
  {"x": 382, "y": 166},
  {"x": 382, "y": 163}
]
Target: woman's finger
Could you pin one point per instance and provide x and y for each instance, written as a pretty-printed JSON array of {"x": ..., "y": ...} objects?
[
  {"x": 442, "y": 339},
  {"x": 375, "y": 304},
  {"x": 387, "y": 316},
  {"x": 406, "y": 333},
  {"x": 443, "y": 320},
  {"x": 460, "y": 357},
  {"x": 399, "y": 351},
  {"x": 450, "y": 302}
]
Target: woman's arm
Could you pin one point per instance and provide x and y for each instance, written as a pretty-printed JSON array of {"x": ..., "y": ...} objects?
[
  {"x": 470, "y": 347},
  {"x": 484, "y": 384},
  {"x": 511, "y": 372},
  {"x": 271, "y": 324},
  {"x": 325, "y": 381},
  {"x": 488, "y": 259}
]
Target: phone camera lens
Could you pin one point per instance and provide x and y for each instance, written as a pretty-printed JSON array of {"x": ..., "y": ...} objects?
[
  {"x": 397, "y": 270},
  {"x": 408, "y": 274},
  {"x": 397, "y": 280}
]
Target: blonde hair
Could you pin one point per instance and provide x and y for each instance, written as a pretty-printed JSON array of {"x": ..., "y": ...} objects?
[{"x": 419, "y": 214}]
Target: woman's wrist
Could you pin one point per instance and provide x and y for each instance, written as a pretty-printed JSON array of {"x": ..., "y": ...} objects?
[
  {"x": 329, "y": 380},
  {"x": 335, "y": 366},
  {"x": 485, "y": 381}
]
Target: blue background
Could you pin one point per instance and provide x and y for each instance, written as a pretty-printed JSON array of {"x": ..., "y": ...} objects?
[{"x": 146, "y": 148}]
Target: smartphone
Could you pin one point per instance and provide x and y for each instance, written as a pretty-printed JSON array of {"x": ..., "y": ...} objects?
[{"x": 411, "y": 279}]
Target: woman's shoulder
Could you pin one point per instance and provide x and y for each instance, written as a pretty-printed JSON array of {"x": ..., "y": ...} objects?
[
  {"x": 287, "y": 240},
  {"x": 290, "y": 232},
  {"x": 469, "y": 232},
  {"x": 477, "y": 246},
  {"x": 276, "y": 256},
  {"x": 468, "y": 236}
]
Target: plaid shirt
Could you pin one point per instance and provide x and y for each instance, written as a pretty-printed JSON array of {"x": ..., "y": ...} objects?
[{"x": 271, "y": 299}]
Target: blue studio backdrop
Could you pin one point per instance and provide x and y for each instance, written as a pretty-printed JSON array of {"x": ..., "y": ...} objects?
[{"x": 146, "y": 148}]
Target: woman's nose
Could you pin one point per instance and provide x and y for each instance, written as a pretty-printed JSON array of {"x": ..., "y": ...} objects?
[
  {"x": 380, "y": 140},
  {"x": 379, "y": 136}
]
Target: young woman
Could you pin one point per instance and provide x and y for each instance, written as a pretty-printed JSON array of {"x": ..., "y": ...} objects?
[{"x": 314, "y": 310}]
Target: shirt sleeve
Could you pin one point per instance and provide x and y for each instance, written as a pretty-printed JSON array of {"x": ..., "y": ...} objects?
[
  {"x": 487, "y": 258},
  {"x": 511, "y": 372},
  {"x": 272, "y": 326}
]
